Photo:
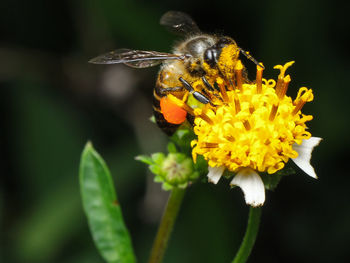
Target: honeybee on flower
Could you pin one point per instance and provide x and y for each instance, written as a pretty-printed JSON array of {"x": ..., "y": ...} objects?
[
  {"x": 241, "y": 126},
  {"x": 187, "y": 73}
]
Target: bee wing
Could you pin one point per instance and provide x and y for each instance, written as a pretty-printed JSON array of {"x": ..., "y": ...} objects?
[
  {"x": 179, "y": 23},
  {"x": 135, "y": 58}
]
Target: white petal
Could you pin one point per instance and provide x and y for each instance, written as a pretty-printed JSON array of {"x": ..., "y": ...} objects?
[
  {"x": 252, "y": 186},
  {"x": 304, "y": 155},
  {"x": 215, "y": 174}
]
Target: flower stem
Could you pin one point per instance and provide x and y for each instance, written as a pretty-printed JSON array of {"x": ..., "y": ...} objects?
[
  {"x": 250, "y": 235},
  {"x": 166, "y": 225}
]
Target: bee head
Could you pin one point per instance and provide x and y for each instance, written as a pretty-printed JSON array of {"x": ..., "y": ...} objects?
[
  {"x": 221, "y": 58},
  {"x": 210, "y": 55},
  {"x": 213, "y": 55}
]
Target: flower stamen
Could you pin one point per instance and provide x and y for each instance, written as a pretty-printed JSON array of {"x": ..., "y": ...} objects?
[
  {"x": 230, "y": 138},
  {"x": 273, "y": 112},
  {"x": 206, "y": 118},
  {"x": 304, "y": 95},
  {"x": 259, "y": 71},
  {"x": 281, "y": 92},
  {"x": 239, "y": 78},
  {"x": 283, "y": 69},
  {"x": 246, "y": 125},
  {"x": 281, "y": 81},
  {"x": 211, "y": 145},
  {"x": 237, "y": 103},
  {"x": 222, "y": 88}
]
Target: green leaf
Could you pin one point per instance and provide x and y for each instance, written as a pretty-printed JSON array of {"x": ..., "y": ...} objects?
[
  {"x": 103, "y": 210},
  {"x": 145, "y": 159}
]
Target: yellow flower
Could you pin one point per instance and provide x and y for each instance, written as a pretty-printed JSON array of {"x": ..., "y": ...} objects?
[{"x": 253, "y": 127}]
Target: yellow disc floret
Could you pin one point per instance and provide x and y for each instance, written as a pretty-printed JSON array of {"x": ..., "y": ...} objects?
[{"x": 254, "y": 126}]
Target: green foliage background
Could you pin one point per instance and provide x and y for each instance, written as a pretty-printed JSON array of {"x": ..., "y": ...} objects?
[{"x": 53, "y": 101}]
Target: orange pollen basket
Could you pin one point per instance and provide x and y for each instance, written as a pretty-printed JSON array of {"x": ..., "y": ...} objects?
[{"x": 172, "y": 113}]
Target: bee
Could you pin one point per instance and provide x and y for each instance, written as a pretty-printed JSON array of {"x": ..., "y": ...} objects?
[{"x": 191, "y": 70}]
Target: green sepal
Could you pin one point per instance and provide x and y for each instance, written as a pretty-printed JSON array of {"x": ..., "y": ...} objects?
[
  {"x": 102, "y": 209},
  {"x": 144, "y": 158},
  {"x": 158, "y": 158},
  {"x": 177, "y": 168},
  {"x": 201, "y": 165},
  {"x": 152, "y": 119},
  {"x": 158, "y": 179},
  {"x": 166, "y": 186},
  {"x": 182, "y": 138},
  {"x": 172, "y": 147},
  {"x": 155, "y": 169},
  {"x": 172, "y": 170},
  {"x": 272, "y": 180},
  {"x": 183, "y": 186}
]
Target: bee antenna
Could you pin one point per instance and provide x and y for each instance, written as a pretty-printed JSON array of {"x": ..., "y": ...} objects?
[{"x": 250, "y": 57}]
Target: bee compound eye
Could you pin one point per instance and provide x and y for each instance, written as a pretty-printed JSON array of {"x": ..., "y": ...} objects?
[{"x": 210, "y": 56}]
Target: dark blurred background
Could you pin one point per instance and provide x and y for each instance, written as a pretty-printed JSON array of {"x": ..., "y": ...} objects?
[{"x": 53, "y": 101}]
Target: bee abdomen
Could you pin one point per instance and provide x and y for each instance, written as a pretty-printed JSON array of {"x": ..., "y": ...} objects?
[
  {"x": 166, "y": 84},
  {"x": 166, "y": 127}
]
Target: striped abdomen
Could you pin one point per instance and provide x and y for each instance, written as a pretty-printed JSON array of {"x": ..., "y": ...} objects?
[{"x": 167, "y": 83}]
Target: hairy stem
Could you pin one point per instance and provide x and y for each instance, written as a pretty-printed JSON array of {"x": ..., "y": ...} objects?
[
  {"x": 166, "y": 225},
  {"x": 250, "y": 235}
]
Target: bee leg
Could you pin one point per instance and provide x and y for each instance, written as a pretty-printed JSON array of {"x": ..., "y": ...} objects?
[
  {"x": 197, "y": 95},
  {"x": 250, "y": 57},
  {"x": 200, "y": 97},
  {"x": 210, "y": 88},
  {"x": 165, "y": 91},
  {"x": 207, "y": 84}
]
